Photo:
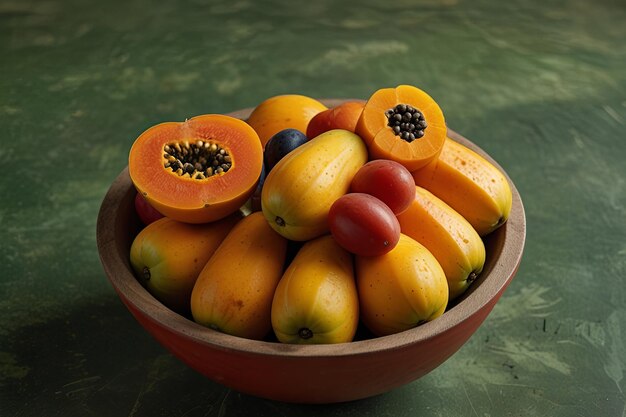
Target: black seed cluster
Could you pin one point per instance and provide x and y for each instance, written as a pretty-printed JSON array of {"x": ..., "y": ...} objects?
[
  {"x": 198, "y": 160},
  {"x": 406, "y": 121}
]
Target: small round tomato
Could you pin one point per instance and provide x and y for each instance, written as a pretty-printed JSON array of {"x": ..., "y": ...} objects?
[
  {"x": 388, "y": 181},
  {"x": 147, "y": 213},
  {"x": 363, "y": 225},
  {"x": 319, "y": 124}
]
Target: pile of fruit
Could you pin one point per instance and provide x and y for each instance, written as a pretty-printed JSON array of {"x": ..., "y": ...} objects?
[{"x": 303, "y": 222}]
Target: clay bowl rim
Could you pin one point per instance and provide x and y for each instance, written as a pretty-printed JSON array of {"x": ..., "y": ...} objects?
[{"x": 119, "y": 273}]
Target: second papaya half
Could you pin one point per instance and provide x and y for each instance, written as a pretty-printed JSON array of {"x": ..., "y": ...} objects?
[
  {"x": 199, "y": 170},
  {"x": 403, "y": 124}
]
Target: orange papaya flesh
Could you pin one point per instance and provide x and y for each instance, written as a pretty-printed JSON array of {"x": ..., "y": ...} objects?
[
  {"x": 385, "y": 143},
  {"x": 173, "y": 165}
]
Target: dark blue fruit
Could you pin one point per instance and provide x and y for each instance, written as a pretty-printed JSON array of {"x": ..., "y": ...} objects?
[{"x": 280, "y": 145}]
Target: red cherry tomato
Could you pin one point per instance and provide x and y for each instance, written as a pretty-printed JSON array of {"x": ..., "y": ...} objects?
[
  {"x": 388, "y": 181},
  {"x": 363, "y": 225},
  {"x": 147, "y": 213}
]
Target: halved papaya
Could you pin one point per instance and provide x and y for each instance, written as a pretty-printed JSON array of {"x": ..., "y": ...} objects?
[
  {"x": 199, "y": 170},
  {"x": 403, "y": 124}
]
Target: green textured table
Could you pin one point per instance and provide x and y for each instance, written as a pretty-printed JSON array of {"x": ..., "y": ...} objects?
[{"x": 540, "y": 85}]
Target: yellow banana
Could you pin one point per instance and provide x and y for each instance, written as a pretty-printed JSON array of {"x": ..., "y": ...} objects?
[
  {"x": 469, "y": 184},
  {"x": 448, "y": 236}
]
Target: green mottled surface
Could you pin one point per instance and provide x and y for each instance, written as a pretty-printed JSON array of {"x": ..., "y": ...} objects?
[{"x": 540, "y": 85}]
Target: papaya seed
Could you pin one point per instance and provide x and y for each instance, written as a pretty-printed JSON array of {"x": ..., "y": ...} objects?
[
  {"x": 406, "y": 121},
  {"x": 197, "y": 159}
]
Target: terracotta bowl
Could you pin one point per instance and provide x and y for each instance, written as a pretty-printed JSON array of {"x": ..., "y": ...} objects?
[{"x": 307, "y": 374}]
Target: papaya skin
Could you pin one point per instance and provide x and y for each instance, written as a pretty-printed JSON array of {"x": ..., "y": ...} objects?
[
  {"x": 191, "y": 200},
  {"x": 301, "y": 188},
  {"x": 288, "y": 111},
  {"x": 316, "y": 300},
  {"x": 448, "y": 236},
  {"x": 233, "y": 293},
  {"x": 383, "y": 143},
  {"x": 167, "y": 257},
  {"x": 401, "y": 289},
  {"x": 469, "y": 184}
]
